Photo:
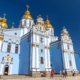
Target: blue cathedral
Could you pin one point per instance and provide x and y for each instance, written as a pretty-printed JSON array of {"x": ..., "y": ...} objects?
[{"x": 32, "y": 48}]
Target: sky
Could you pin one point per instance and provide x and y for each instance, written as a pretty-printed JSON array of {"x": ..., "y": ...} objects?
[{"x": 60, "y": 13}]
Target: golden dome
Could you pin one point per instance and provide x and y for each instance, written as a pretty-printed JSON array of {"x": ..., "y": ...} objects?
[
  {"x": 48, "y": 24},
  {"x": 4, "y": 25},
  {"x": 27, "y": 15},
  {"x": 0, "y": 23}
]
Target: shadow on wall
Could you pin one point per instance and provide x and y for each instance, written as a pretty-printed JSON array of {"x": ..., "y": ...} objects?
[
  {"x": 56, "y": 58},
  {"x": 77, "y": 60},
  {"x": 24, "y": 61}
]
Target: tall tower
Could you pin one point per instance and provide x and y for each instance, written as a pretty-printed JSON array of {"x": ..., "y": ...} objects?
[
  {"x": 41, "y": 46},
  {"x": 26, "y": 21},
  {"x": 67, "y": 51}
]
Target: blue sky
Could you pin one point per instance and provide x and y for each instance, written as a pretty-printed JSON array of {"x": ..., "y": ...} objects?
[{"x": 61, "y": 13}]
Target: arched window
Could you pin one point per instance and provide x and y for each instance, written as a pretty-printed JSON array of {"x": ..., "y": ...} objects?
[
  {"x": 42, "y": 61},
  {"x": 11, "y": 59},
  {"x": 29, "y": 23},
  {"x": 2, "y": 58},
  {"x": 16, "y": 48},
  {"x": 24, "y": 22},
  {"x": 9, "y": 47}
]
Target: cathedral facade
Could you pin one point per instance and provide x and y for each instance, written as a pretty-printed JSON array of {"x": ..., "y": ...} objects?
[{"x": 32, "y": 48}]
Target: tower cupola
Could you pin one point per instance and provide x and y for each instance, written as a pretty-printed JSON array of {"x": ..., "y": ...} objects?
[
  {"x": 27, "y": 14},
  {"x": 48, "y": 24}
]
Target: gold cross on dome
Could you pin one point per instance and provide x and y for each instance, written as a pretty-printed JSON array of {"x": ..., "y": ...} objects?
[
  {"x": 47, "y": 17},
  {"x": 12, "y": 23},
  {"x": 27, "y": 7},
  {"x": 4, "y": 15}
]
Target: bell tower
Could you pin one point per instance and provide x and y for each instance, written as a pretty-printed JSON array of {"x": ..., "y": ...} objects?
[
  {"x": 26, "y": 21},
  {"x": 67, "y": 51}
]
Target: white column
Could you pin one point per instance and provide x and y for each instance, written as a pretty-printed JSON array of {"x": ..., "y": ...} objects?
[
  {"x": 45, "y": 58},
  {"x": 65, "y": 65},
  {"x": 67, "y": 61},
  {"x": 74, "y": 63},
  {"x": 13, "y": 48},
  {"x": 19, "y": 48},
  {"x": 0, "y": 44},
  {"x": 25, "y": 30},
  {"x": 49, "y": 60},
  {"x": 37, "y": 57},
  {"x": 64, "y": 55},
  {"x": 1, "y": 69},
  {"x": 3, "y": 48},
  {"x": 33, "y": 57},
  {"x": 10, "y": 69},
  {"x": 37, "y": 53}
]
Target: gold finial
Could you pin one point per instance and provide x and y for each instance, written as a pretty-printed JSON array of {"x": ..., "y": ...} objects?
[
  {"x": 4, "y": 15},
  {"x": 39, "y": 15},
  {"x": 12, "y": 24},
  {"x": 63, "y": 27},
  {"x": 47, "y": 17},
  {"x": 27, "y": 7}
]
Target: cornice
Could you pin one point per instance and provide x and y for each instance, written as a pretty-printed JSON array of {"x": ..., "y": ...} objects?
[{"x": 10, "y": 36}]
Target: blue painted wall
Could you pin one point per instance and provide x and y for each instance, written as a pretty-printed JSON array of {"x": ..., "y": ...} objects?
[
  {"x": 15, "y": 64},
  {"x": 24, "y": 62},
  {"x": 77, "y": 59},
  {"x": 56, "y": 58}
]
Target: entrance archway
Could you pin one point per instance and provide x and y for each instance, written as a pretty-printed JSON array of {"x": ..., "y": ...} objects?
[{"x": 6, "y": 69}]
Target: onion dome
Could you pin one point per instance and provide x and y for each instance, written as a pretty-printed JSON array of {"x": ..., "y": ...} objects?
[
  {"x": 27, "y": 14},
  {"x": 48, "y": 24},
  {"x": 3, "y": 22}
]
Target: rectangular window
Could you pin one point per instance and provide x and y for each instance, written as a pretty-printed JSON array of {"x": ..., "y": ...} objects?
[
  {"x": 70, "y": 63},
  {"x": 16, "y": 48},
  {"x": 41, "y": 50},
  {"x": 42, "y": 62},
  {"x": 9, "y": 47}
]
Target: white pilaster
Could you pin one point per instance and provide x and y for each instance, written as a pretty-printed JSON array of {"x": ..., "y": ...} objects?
[
  {"x": 3, "y": 47},
  {"x": 0, "y": 44},
  {"x": 65, "y": 56},
  {"x": 49, "y": 60},
  {"x": 25, "y": 30},
  {"x": 37, "y": 53},
  {"x": 74, "y": 63},
  {"x": 45, "y": 59},
  {"x": 1, "y": 69},
  {"x": 10, "y": 69}
]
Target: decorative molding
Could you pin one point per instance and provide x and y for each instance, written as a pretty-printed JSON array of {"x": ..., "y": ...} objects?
[
  {"x": 72, "y": 52},
  {"x": 65, "y": 51},
  {"x": 34, "y": 44},
  {"x": 1, "y": 38},
  {"x": 46, "y": 47}
]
